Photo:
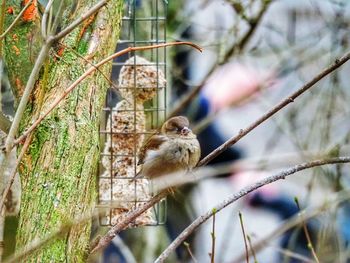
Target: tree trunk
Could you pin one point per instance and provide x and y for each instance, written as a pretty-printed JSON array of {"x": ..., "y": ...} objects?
[{"x": 58, "y": 172}]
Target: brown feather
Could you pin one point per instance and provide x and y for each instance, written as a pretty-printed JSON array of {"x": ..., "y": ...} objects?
[{"x": 153, "y": 143}]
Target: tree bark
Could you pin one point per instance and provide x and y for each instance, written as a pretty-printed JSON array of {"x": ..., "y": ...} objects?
[{"x": 59, "y": 170}]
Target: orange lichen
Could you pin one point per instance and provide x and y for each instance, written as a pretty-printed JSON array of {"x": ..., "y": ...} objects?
[
  {"x": 15, "y": 37},
  {"x": 16, "y": 49},
  {"x": 31, "y": 13},
  {"x": 60, "y": 51},
  {"x": 10, "y": 10},
  {"x": 86, "y": 24},
  {"x": 20, "y": 87}
]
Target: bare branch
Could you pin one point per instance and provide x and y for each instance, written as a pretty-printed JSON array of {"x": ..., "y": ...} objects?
[
  {"x": 44, "y": 19},
  {"x": 306, "y": 231},
  {"x": 13, "y": 172},
  {"x": 127, "y": 219},
  {"x": 275, "y": 109},
  {"x": 78, "y": 21},
  {"x": 42, "y": 242},
  {"x": 244, "y": 237},
  {"x": 240, "y": 45},
  {"x": 296, "y": 220},
  {"x": 213, "y": 238},
  {"x": 90, "y": 71},
  {"x": 281, "y": 175}
]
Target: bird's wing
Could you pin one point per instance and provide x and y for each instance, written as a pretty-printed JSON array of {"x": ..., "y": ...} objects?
[{"x": 153, "y": 143}]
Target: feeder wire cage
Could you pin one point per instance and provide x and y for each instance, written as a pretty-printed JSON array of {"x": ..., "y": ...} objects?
[{"x": 134, "y": 110}]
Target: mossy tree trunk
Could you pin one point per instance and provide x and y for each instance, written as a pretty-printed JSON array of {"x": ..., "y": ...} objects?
[{"x": 58, "y": 172}]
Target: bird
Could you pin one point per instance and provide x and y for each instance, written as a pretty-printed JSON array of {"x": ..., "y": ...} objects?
[{"x": 175, "y": 149}]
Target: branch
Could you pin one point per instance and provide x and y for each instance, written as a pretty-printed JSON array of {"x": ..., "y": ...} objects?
[
  {"x": 254, "y": 23},
  {"x": 90, "y": 71},
  {"x": 44, "y": 19},
  {"x": 42, "y": 242},
  {"x": 277, "y": 108},
  {"x": 81, "y": 19},
  {"x": 341, "y": 197},
  {"x": 129, "y": 217},
  {"x": 13, "y": 173},
  {"x": 246, "y": 190},
  {"x": 187, "y": 98}
]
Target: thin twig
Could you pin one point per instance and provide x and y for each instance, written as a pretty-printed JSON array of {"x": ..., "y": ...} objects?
[
  {"x": 79, "y": 20},
  {"x": 187, "y": 246},
  {"x": 246, "y": 190},
  {"x": 44, "y": 25},
  {"x": 124, "y": 249},
  {"x": 254, "y": 23},
  {"x": 213, "y": 237},
  {"x": 306, "y": 231},
  {"x": 251, "y": 248},
  {"x": 340, "y": 197},
  {"x": 92, "y": 64},
  {"x": 14, "y": 172},
  {"x": 244, "y": 237},
  {"x": 187, "y": 98},
  {"x": 275, "y": 109},
  {"x": 90, "y": 71},
  {"x": 294, "y": 255},
  {"x": 16, "y": 19},
  {"x": 37, "y": 244}
]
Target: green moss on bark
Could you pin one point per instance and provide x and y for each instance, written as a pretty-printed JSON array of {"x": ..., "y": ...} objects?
[
  {"x": 58, "y": 172},
  {"x": 21, "y": 46}
]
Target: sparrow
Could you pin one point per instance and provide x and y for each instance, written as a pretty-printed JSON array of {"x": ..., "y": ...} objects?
[{"x": 175, "y": 149}]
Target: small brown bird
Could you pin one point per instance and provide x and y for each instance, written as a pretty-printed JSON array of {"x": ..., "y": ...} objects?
[{"x": 175, "y": 149}]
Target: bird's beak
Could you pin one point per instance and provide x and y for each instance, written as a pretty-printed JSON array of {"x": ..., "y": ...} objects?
[{"x": 185, "y": 131}]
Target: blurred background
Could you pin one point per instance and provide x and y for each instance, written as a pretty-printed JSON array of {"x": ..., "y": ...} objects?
[{"x": 256, "y": 52}]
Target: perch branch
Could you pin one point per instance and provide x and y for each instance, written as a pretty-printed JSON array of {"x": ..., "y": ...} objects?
[
  {"x": 129, "y": 217},
  {"x": 277, "y": 108},
  {"x": 90, "y": 71},
  {"x": 246, "y": 190}
]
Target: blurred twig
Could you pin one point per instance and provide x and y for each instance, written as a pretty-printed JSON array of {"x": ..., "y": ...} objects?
[
  {"x": 252, "y": 248},
  {"x": 306, "y": 231},
  {"x": 13, "y": 172},
  {"x": 244, "y": 237},
  {"x": 279, "y": 176},
  {"x": 275, "y": 109},
  {"x": 213, "y": 237},
  {"x": 240, "y": 45},
  {"x": 187, "y": 246}
]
